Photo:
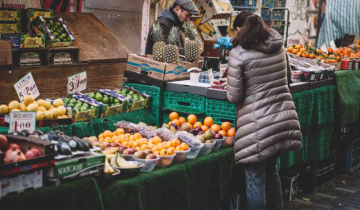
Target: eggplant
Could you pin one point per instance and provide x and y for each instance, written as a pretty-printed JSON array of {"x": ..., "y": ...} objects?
[
  {"x": 64, "y": 149},
  {"x": 83, "y": 146},
  {"x": 88, "y": 143},
  {"x": 72, "y": 144},
  {"x": 38, "y": 132}
]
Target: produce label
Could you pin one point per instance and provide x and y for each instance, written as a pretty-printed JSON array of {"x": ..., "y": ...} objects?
[
  {"x": 77, "y": 82},
  {"x": 26, "y": 86},
  {"x": 22, "y": 120},
  {"x": 9, "y": 28}
]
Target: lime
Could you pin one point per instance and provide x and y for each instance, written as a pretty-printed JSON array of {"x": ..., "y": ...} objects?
[
  {"x": 91, "y": 95},
  {"x": 125, "y": 91},
  {"x": 79, "y": 102},
  {"x": 85, "y": 105},
  {"x": 92, "y": 107},
  {"x": 112, "y": 105},
  {"x": 66, "y": 100},
  {"x": 117, "y": 104},
  {"x": 116, "y": 101},
  {"x": 83, "y": 109},
  {"x": 129, "y": 96},
  {"x": 71, "y": 105},
  {"x": 111, "y": 99},
  {"x": 73, "y": 100},
  {"x": 77, "y": 106},
  {"x": 142, "y": 99},
  {"x": 98, "y": 97},
  {"x": 105, "y": 100},
  {"x": 131, "y": 92}
]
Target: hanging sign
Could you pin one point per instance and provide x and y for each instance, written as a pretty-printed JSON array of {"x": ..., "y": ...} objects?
[{"x": 26, "y": 86}]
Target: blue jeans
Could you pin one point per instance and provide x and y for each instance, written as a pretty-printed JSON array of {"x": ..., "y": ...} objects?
[{"x": 260, "y": 178}]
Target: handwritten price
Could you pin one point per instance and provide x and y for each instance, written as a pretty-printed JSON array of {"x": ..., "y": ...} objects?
[
  {"x": 27, "y": 91},
  {"x": 21, "y": 125},
  {"x": 77, "y": 82}
]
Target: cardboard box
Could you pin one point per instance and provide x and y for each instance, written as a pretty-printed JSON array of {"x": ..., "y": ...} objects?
[
  {"x": 144, "y": 64},
  {"x": 13, "y": 39},
  {"x": 10, "y": 27},
  {"x": 21, "y": 182},
  {"x": 214, "y": 29},
  {"x": 114, "y": 109},
  {"x": 76, "y": 167},
  {"x": 7, "y": 14},
  {"x": 32, "y": 41},
  {"x": 210, "y": 9},
  {"x": 132, "y": 104}
]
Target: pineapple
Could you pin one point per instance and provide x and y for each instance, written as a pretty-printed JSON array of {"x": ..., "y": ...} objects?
[
  {"x": 159, "y": 46},
  {"x": 171, "y": 54},
  {"x": 192, "y": 50}
]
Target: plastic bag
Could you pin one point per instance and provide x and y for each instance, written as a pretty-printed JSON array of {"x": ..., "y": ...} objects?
[
  {"x": 145, "y": 131},
  {"x": 188, "y": 138},
  {"x": 165, "y": 134},
  {"x": 127, "y": 126}
]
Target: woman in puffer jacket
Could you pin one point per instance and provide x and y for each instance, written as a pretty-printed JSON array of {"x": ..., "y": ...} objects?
[{"x": 267, "y": 122}]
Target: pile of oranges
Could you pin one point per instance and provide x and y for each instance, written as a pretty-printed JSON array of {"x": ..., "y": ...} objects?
[
  {"x": 138, "y": 142},
  {"x": 308, "y": 51},
  {"x": 224, "y": 129}
]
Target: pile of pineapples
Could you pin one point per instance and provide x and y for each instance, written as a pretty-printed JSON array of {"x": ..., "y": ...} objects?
[{"x": 169, "y": 53}]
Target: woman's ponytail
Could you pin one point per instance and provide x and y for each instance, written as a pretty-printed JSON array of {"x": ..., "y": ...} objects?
[{"x": 252, "y": 33}]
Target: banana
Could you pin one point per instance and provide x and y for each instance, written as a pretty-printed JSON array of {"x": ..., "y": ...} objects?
[
  {"x": 120, "y": 159},
  {"x": 113, "y": 161},
  {"x": 111, "y": 150},
  {"x": 110, "y": 156},
  {"x": 121, "y": 162},
  {"x": 108, "y": 168}
]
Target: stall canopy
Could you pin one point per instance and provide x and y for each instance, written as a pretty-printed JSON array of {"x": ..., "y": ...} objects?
[{"x": 342, "y": 17}]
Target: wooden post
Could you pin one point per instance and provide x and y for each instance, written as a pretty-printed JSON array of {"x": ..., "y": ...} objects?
[{"x": 145, "y": 24}]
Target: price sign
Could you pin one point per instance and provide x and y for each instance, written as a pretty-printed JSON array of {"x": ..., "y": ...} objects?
[
  {"x": 77, "y": 82},
  {"x": 22, "y": 120},
  {"x": 26, "y": 86}
]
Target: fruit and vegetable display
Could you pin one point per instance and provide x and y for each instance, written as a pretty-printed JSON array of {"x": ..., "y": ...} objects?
[{"x": 45, "y": 110}]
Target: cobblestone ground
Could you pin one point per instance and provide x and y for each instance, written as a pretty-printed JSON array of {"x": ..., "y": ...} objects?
[{"x": 343, "y": 194}]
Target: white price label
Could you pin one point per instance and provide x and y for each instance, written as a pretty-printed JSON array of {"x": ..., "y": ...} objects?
[
  {"x": 324, "y": 49},
  {"x": 26, "y": 86},
  {"x": 77, "y": 82},
  {"x": 333, "y": 45},
  {"x": 22, "y": 120}
]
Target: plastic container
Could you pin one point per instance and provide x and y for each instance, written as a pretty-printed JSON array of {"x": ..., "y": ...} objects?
[
  {"x": 207, "y": 148},
  {"x": 149, "y": 164},
  {"x": 194, "y": 77},
  {"x": 164, "y": 161},
  {"x": 128, "y": 157},
  {"x": 155, "y": 92},
  {"x": 192, "y": 103},
  {"x": 218, "y": 143},
  {"x": 181, "y": 156},
  {"x": 194, "y": 151}
]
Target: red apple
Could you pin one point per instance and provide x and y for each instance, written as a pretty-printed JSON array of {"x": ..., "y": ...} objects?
[
  {"x": 218, "y": 136},
  {"x": 150, "y": 156},
  {"x": 148, "y": 151},
  {"x": 122, "y": 148},
  {"x": 115, "y": 144},
  {"x": 214, "y": 132},
  {"x": 12, "y": 146}
]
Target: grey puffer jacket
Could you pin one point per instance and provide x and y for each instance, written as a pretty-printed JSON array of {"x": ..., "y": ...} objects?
[{"x": 267, "y": 122}]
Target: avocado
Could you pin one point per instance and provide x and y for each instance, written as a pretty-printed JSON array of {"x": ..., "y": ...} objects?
[
  {"x": 83, "y": 146},
  {"x": 116, "y": 101},
  {"x": 64, "y": 149},
  {"x": 88, "y": 143},
  {"x": 72, "y": 144}
]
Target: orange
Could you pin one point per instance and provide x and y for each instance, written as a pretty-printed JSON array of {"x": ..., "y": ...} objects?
[
  {"x": 295, "y": 51},
  {"x": 108, "y": 133},
  {"x": 182, "y": 120},
  {"x": 171, "y": 151},
  {"x": 114, "y": 138},
  {"x": 290, "y": 49},
  {"x": 150, "y": 145},
  {"x": 302, "y": 49},
  {"x": 336, "y": 52},
  {"x": 338, "y": 58},
  {"x": 231, "y": 132},
  {"x": 198, "y": 124},
  {"x": 137, "y": 136},
  {"x": 164, "y": 152},
  {"x": 127, "y": 135},
  {"x": 161, "y": 146},
  {"x": 215, "y": 127},
  {"x": 155, "y": 148},
  {"x": 131, "y": 138},
  {"x": 101, "y": 136},
  {"x": 144, "y": 147},
  {"x": 223, "y": 133},
  {"x": 226, "y": 126},
  {"x": 173, "y": 116},
  {"x": 192, "y": 119},
  {"x": 330, "y": 50},
  {"x": 184, "y": 146},
  {"x": 204, "y": 128},
  {"x": 126, "y": 144},
  {"x": 169, "y": 123},
  {"x": 312, "y": 56},
  {"x": 178, "y": 148},
  {"x": 208, "y": 121},
  {"x": 138, "y": 148},
  {"x": 107, "y": 139},
  {"x": 168, "y": 145},
  {"x": 319, "y": 52},
  {"x": 156, "y": 153},
  {"x": 175, "y": 142},
  {"x": 101, "y": 139},
  {"x": 298, "y": 54},
  {"x": 177, "y": 122},
  {"x": 305, "y": 54},
  {"x": 298, "y": 46}
]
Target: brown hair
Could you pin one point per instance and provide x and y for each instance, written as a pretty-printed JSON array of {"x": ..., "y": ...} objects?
[{"x": 252, "y": 30}]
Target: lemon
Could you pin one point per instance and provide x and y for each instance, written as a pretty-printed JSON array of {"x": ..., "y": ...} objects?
[
  {"x": 58, "y": 102},
  {"x": 64, "y": 116},
  {"x": 47, "y": 105},
  {"x": 48, "y": 115},
  {"x": 28, "y": 99},
  {"x": 62, "y": 110},
  {"x": 59, "y": 117},
  {"x": 14, "y": 105},
  {"x": 32, "y": 107},
  {"x": 41, "y": 102},
  {"x": 40, "y": 115},
  {"x": 23, "y": 107},
  {"x": 55, "y": 112},
  {"x": 4, "y": 109},
  {"x": 40, "y": 108},
  {"x": 15, "y": 110}
]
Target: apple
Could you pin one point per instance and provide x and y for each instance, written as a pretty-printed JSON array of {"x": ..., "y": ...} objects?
[
  {"x": 127, "y": 152},
  {"x": 133, "y": 150},
  {"x": 140, "y": 154},
  {"x": 150, "y": 156},
  {"x": 122, "y": 148},
  {"x": 209, "y": 141},
  {"x": 114, "y": 144},
  {"x": 103, "y": 145},
  {"x": 214, "y": 132},
  {"x": 148, "y": 151},
  {"x": 218, "y": 136},
  {"x": 109, "y": 144}
]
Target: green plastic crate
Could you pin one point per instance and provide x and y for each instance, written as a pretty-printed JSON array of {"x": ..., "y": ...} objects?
[
  {"x": 165, "y": 117},
  {"x": 184, "y": 102},
  {"x": 221, "y": 111},
  {"x": 155, "y": 92},
  {"x": 157, "y": 113}
]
